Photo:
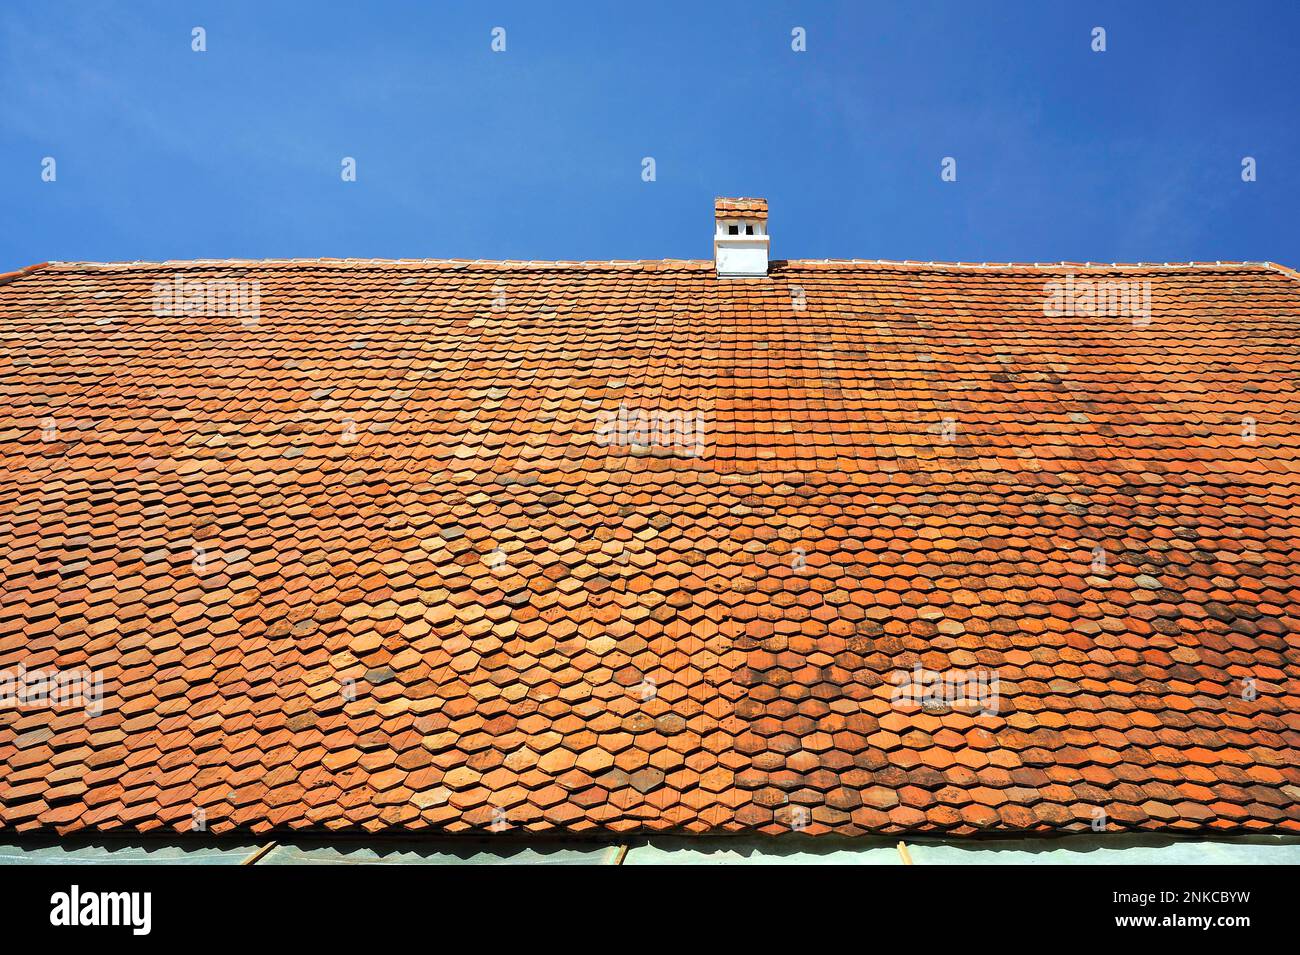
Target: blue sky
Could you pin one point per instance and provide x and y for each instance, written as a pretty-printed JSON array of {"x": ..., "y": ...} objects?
[{"x": 536, "y": 153}]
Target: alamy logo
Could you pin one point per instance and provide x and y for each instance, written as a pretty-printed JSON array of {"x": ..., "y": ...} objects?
[
  {"x": 209, "y": 298},
  {"x": 74, "y": 908},
  {"x": 1088, "y": 298},
  {"x": 956, "y": 689},
  {"x": 679, "y": 432},
  {"x": 60, "y": 689}
]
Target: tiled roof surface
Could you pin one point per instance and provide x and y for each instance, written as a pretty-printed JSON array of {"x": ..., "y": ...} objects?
[
  {"x": 745, "y": 208},
  {"x": 369, "y": 563}
]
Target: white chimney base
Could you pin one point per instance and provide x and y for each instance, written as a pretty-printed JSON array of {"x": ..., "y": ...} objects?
[{"x": 737, "y": 256}]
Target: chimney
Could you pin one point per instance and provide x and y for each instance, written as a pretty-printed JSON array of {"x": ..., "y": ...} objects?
[{"x": 740, "y": 237}]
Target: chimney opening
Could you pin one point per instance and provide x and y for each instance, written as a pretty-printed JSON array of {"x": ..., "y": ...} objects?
[{"x": 733, "y": 230}]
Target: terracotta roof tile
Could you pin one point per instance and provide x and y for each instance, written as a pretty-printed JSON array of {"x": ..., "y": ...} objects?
[
  {"x": 742, "y": 207},
  {"x": 384, "y": 555}
]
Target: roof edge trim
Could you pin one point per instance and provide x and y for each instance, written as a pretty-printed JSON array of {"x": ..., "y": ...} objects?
[
  {"x": 650, "y": 265},
  {"x": 7, "y": 277}
]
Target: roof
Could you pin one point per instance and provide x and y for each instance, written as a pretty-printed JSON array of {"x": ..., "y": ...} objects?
[
  {"x": 605, "y": 547},
  {"x": 742, "y": 207}
]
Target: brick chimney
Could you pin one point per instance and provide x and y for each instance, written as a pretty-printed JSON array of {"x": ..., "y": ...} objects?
[{"x": 740, "y": 238}]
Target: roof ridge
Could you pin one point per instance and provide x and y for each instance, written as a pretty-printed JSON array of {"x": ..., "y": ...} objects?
[
  {"x": 1284, "y": 269},
  {"x": 326, "y": 262},
  {"x": 1247, "y": 265},
  {"x": 643, "y": 264},
  {"x": 7, "y": 277}
]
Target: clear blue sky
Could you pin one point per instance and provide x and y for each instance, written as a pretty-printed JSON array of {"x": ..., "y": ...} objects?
[{"x": 1062, "y": 153}]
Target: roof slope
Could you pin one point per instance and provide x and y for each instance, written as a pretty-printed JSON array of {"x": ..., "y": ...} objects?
[{"x": 371, "y": 562}]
